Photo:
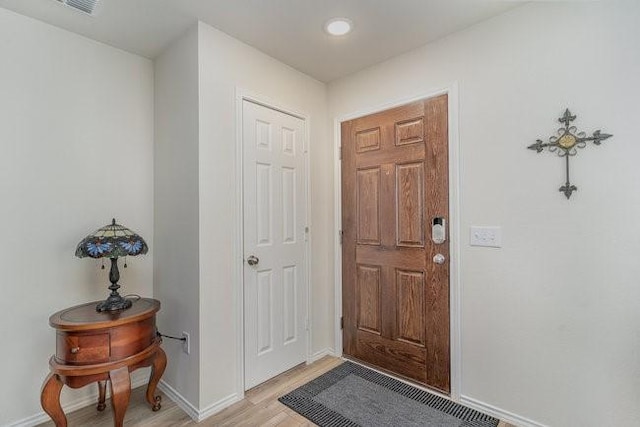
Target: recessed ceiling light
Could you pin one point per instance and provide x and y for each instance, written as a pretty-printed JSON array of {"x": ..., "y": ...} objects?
[{"x": 338, "y": 26}]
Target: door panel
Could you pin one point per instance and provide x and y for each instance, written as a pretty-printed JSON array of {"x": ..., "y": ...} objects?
[
  {"x": 395, "y": 298},
  {"x": 274, "y": 233},
  {"x": 264, "y": 205},
  {"x": 368, "y": 289},
  {"x": 368, "y": 140},
  {"x": 410, "y": 214},
  {"x": 368, "y": 205},
  {"x": 410, "y": 293},
  {"x": 264, "y": 305},
  {"x": 410, "y": 132},
  {"x": 290, "y": 312}
]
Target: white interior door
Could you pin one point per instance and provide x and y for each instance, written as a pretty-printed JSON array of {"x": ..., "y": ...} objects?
[{"x": 274, "y": 242}]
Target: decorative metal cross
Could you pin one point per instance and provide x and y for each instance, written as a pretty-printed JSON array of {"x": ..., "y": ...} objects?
[{"x": 566, "y": 144}]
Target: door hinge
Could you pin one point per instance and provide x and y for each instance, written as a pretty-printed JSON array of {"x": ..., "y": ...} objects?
[
  {"x": 341, "y": 322},
  {"x": 341, "y": 235}
]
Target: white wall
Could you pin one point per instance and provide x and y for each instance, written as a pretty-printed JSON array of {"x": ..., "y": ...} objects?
[
  {"x": 176, "y": 261},
  {"x": 226, "y": 63},
  {"x": 195, "y": 201},
  {"x": 76, "y": 139},
  {"x": 550, "y": 322}
]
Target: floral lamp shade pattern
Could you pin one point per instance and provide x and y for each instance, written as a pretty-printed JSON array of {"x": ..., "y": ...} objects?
[{"x": 111, "y": 241}]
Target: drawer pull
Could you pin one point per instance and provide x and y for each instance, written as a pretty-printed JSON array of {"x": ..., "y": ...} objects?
[{"x": 75, "y": 350}]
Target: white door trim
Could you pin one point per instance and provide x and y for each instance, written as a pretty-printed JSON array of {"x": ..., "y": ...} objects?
[
  {"x": 238, "y": 250},
  {"x": 454, "y": 221}
]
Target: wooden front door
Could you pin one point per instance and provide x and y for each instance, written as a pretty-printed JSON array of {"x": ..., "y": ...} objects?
[{"x": 395, "y": 295}]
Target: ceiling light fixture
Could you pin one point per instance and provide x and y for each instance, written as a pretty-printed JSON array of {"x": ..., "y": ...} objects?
[{"x": 338, "y": 26}]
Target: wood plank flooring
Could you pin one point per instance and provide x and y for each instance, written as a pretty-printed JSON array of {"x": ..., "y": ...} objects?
[{"x": 260, "y": 407}]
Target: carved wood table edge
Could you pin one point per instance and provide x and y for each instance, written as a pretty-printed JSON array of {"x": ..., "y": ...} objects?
[{"x": 104, "y": 348}]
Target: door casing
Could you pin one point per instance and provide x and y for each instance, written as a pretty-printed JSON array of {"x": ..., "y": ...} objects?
[
  {"x": 238, "y": 250},
  {"x": 454, "y": 222}
]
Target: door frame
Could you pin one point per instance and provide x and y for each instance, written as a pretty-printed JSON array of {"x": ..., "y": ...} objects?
[
  {"x": 455, "y": 289},
  {"x": 242, "y": 95}
]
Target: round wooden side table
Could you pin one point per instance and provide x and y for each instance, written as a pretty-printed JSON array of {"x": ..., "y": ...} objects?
[{"x": 104, "y": 348}]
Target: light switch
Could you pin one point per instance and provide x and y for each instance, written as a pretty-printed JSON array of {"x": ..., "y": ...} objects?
[{"x": 485, "y": 236}]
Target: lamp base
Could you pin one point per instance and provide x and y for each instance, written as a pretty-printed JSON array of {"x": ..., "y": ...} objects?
[{"x": 113, "y": 304}]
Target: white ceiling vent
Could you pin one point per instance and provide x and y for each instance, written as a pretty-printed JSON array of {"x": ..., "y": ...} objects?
[{"x": 85, "y": 6}]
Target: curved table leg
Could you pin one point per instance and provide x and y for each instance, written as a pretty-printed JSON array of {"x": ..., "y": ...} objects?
[
  {"x": 50, "y": 399},
  {"x": 159, "y": 364},
  {"x": 120, "y": 392},
  {"x": 102, "y": 394}
]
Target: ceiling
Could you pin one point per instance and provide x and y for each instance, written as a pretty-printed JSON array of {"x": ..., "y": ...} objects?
[{"x": 288, "y": 30}]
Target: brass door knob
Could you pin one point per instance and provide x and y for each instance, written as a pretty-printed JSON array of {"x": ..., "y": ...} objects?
[{"x": 75, "y": 350}]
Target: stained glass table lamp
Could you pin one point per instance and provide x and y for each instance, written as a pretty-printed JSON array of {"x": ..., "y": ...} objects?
[{"x": 112, "y": 241}]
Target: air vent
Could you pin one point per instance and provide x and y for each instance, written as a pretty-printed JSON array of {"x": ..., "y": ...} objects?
[{"x": 85, "y": 6}]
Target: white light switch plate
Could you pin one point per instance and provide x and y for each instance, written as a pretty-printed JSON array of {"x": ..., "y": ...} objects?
[{"x": 485, "y": 236}]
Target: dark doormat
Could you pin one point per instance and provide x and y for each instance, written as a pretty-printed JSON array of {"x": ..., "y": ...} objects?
[{"x": 351, "y": 395}]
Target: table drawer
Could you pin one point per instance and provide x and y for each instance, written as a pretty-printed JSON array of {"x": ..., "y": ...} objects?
[{"x": 83, "y": 348}]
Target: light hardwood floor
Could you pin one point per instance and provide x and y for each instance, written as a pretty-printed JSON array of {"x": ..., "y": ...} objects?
[{"x": 260, "y": 407}]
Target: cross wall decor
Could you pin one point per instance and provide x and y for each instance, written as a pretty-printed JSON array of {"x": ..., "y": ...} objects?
[{"x": 566, "y": 144}]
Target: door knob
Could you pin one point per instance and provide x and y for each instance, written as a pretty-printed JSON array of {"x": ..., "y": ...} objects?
[
  {"x": 439, "y": 259},
  {"x": 253, "y": 260}
]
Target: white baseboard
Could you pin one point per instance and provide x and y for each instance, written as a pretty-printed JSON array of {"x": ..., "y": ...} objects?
[
  {"x": 193, "y": 412},
  {"x": 42, "y": 417},
  {"x": 503, "y": 415},
  {"x": 218, "y": 406},
  {"x": 179, "y": 400},
  {"x": 320, "y": 354}
]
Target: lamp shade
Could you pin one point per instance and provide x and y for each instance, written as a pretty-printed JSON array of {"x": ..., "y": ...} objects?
[{"x": 111, "y": 241}]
